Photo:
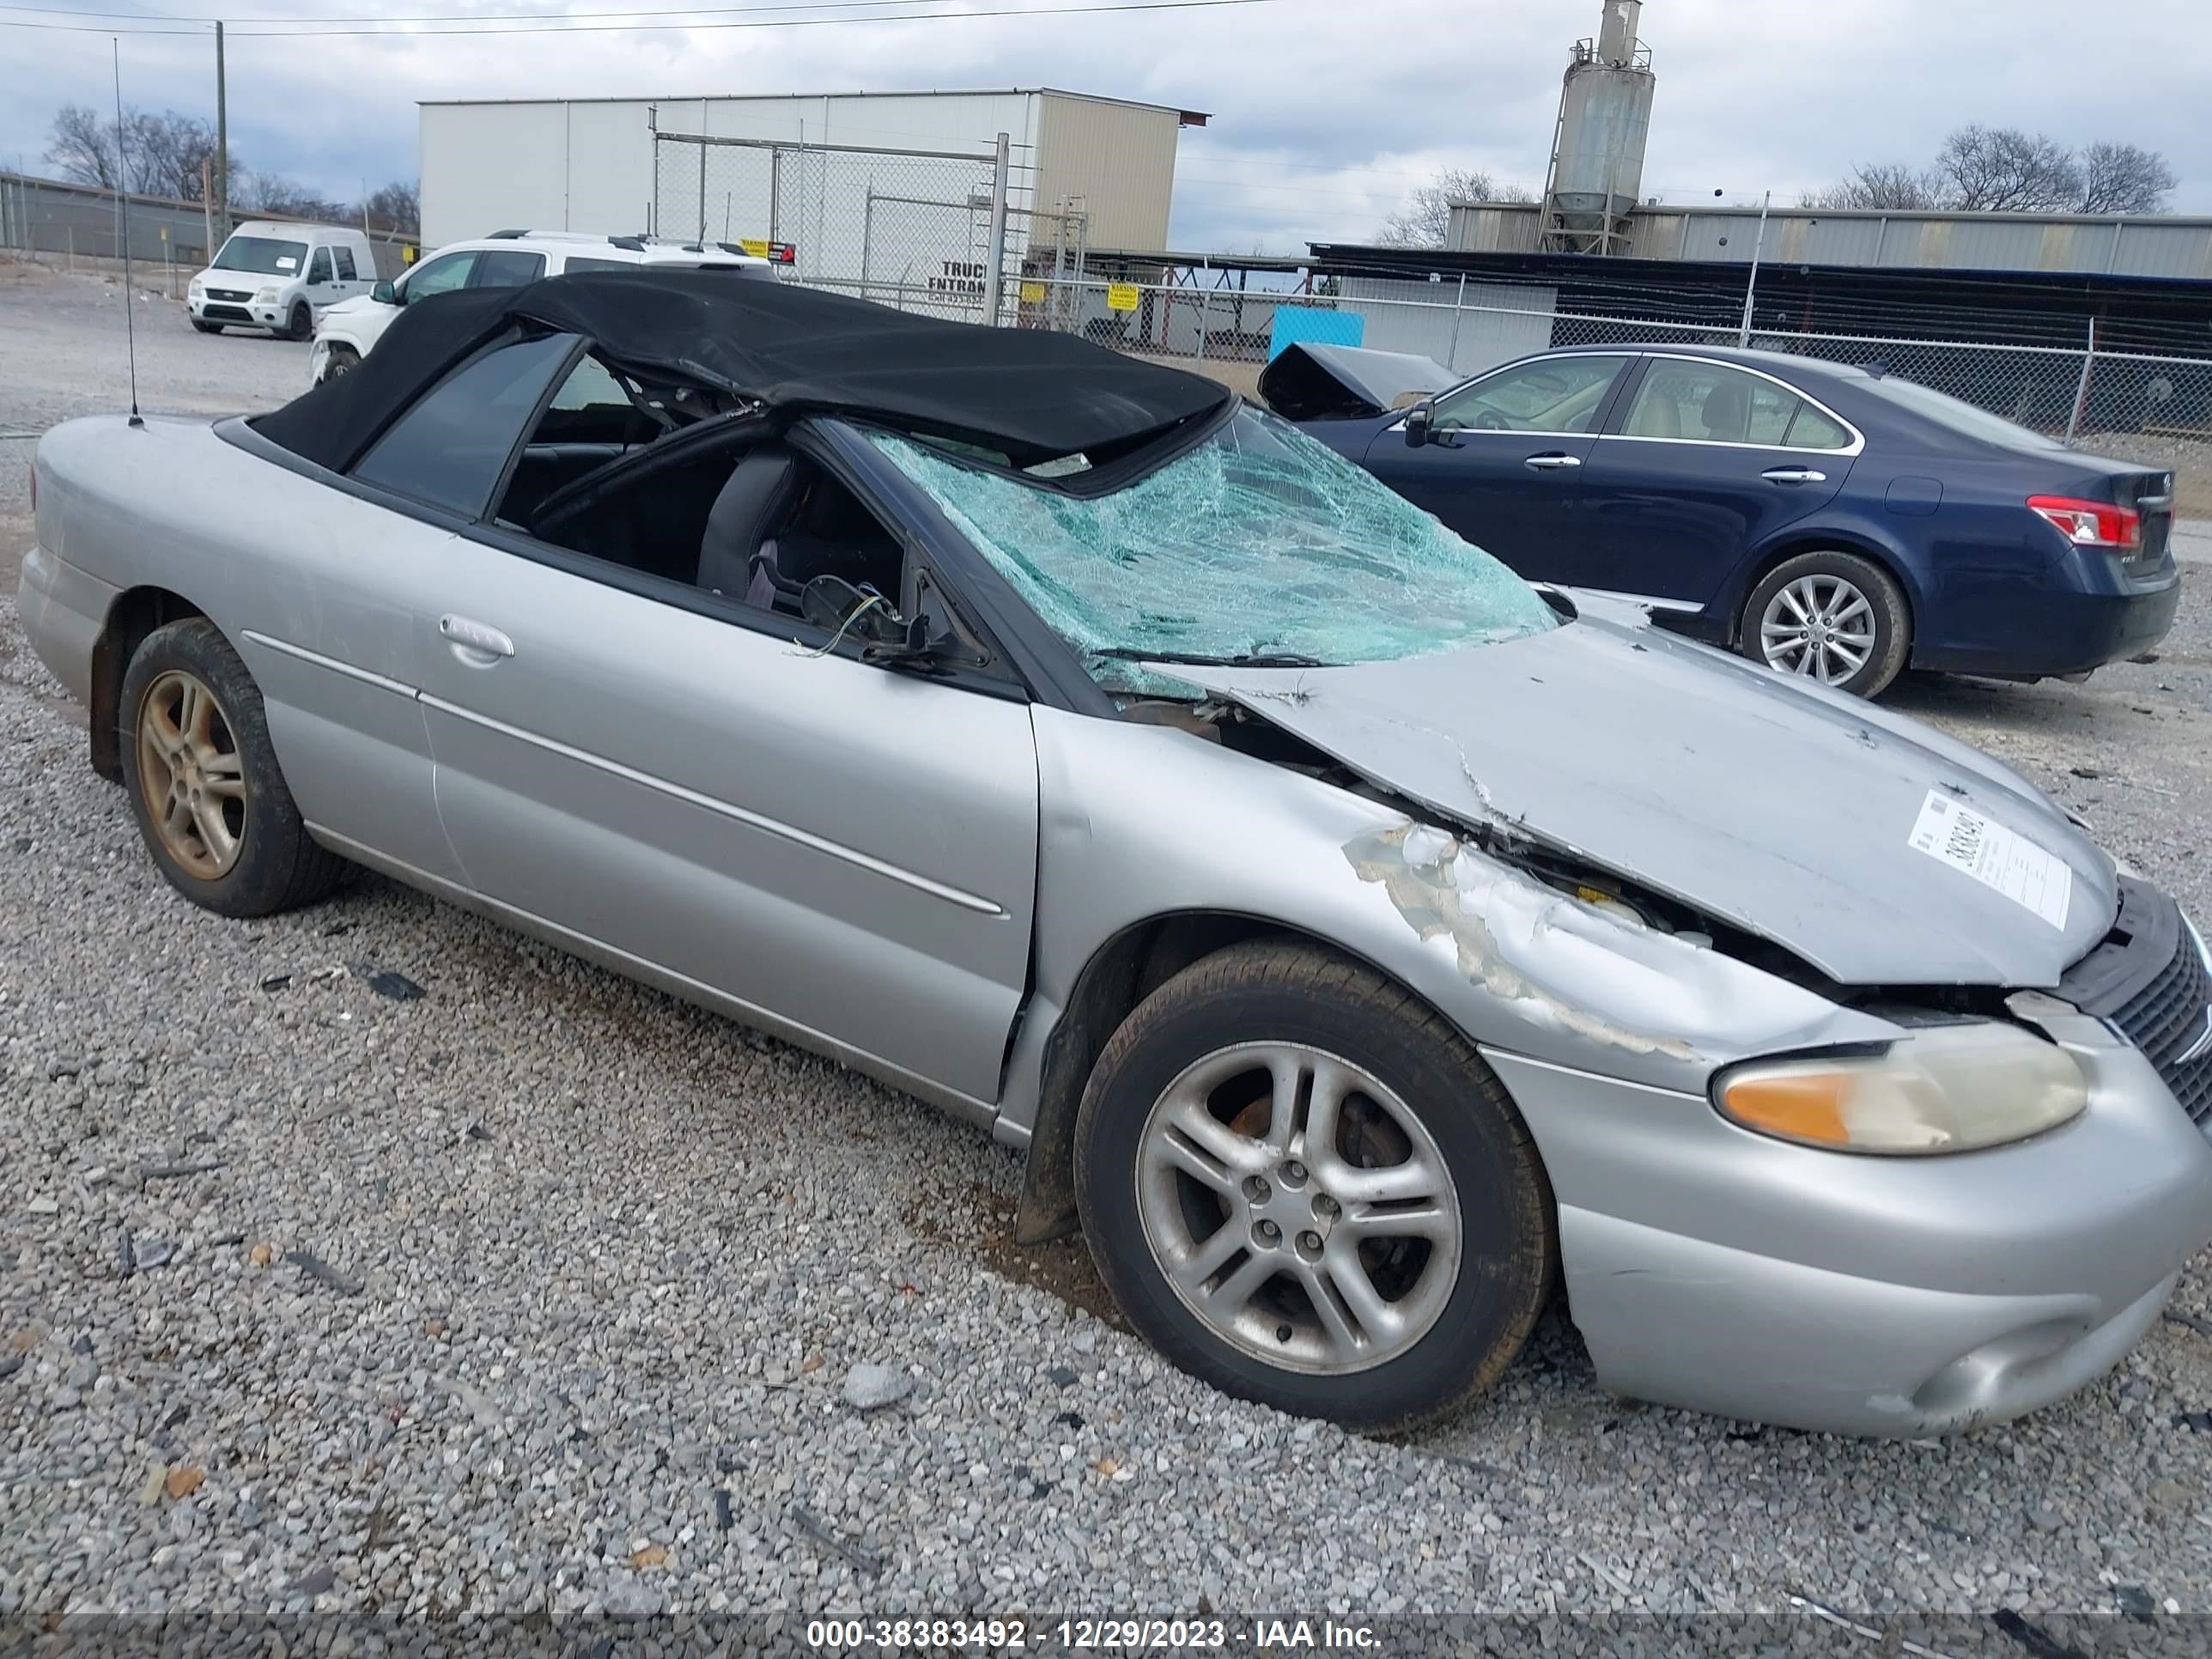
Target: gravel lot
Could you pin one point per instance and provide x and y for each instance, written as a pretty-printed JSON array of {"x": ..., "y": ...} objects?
[{"x": 541, "y": 1291}]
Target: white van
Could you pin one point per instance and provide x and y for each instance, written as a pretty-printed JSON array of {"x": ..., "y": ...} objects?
[{"x": 279, "y": 275}]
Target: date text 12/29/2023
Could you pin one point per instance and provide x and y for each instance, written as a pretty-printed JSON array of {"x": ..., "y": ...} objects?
[{"x": 1087, "y": 1635}]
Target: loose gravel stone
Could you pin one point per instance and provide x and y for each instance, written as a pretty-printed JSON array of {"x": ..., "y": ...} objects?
[
  {"x": 564, "y": 1338},
  {"x": 869, "y": 1387}
]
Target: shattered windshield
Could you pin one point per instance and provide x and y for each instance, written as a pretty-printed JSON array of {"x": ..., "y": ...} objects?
[{"x": 1260, "y": 545}]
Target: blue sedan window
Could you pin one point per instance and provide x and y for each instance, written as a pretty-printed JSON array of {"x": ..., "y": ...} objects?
[{"x": 450, "y": 449}]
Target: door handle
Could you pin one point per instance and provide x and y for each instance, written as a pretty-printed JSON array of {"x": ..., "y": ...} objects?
[
  {"x": 1795, "y": 475},
  {"x": 1551, "y": 463},
  {"x": 474, "y": 642}
]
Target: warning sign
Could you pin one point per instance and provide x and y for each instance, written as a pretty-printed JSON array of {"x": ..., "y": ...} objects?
[
  {"x": 1121, "y": 296},
  {"x": 1032, "y": 294}
]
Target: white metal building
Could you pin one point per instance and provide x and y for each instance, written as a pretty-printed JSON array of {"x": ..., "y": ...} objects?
[{"x": 589, "y": 164}]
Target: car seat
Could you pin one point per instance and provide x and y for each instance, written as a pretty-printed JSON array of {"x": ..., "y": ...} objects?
[
  {"x": 1726, "y": 411},
  {"x": 761, "y": 492}
]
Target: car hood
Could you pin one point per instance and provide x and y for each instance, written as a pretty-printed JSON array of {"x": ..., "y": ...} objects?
[
  {"x": 1315, "y": 382},
  {"x": 1873, "y": 847}
]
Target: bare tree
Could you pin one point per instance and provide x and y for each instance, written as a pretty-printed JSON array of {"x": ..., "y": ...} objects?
[
  {"x": 279, "y": 198},
  {"x": 2007, "y": 170},
  {"x": 83, "y": 146},
  {"x": 2123, "y": 179},
  {"x": 1889, "y": 185},
  {"x": 395, "y": 206},
  {"x": 159, "y": 154},
  {"x": 1425, "y": 219}
]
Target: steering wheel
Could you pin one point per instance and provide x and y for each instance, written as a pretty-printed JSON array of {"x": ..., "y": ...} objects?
[{"x": 1490, "y": 420}]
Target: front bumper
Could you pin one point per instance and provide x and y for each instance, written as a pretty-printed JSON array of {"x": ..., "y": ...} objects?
[
  {"x": 239, "y": 314},
  {"x": 1718, "y": 1270},
  {"x": 64, "y": 611}
]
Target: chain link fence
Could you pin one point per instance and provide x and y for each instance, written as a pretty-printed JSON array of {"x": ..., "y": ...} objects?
[
  {"x": 921, "y": 229},
  {"x": 2075, "y": 395}
]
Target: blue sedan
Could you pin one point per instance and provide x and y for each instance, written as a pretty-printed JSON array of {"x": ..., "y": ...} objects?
[{"x": 1834, "y": 522}]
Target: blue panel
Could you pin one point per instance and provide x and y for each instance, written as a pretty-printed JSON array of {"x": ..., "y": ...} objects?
[{"x": 1298, "y": 325}]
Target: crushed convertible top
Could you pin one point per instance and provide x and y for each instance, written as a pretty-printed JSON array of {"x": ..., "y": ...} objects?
[{"x": 1032, "y": 394}]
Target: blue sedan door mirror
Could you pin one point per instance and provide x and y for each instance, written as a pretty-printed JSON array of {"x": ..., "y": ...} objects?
[{"x": 1417, "y": 424}]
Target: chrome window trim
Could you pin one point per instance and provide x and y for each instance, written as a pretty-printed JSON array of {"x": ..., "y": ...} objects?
[
  {"x": 1628, "y": 353},
  {"x": 1856, "y": 446}
]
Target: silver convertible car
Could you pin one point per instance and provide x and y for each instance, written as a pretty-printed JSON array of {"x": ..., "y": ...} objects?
[{"x": 1363, "y": 944}]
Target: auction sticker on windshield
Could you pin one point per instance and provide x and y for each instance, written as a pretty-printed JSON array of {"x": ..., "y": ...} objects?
[{"x": 1980, "y": 847}]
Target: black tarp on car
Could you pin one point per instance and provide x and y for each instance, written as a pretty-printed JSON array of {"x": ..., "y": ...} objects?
[{"x": 1032, "y": 394}]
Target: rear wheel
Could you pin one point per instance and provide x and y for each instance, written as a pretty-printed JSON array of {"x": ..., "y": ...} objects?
[
  {"x": 204, "y": 781},
  {"x": 1305, "y": 1187},
  {"x": 1834, "y": 618},
  {"x": 303, "y": 321}
]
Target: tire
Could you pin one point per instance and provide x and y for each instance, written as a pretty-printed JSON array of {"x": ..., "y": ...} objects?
[
  {"x": 1868, "y": 637},
  {"x": 1461, "y": 1310},
  {"x": 207, "y": 328},
  {"x": 301, "y": 321},
  {"x": 240, "y": 848},
  {"x": 342, "y": 360}
]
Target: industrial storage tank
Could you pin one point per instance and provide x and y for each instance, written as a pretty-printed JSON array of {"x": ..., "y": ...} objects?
[{"x": 1597, "y": 156}]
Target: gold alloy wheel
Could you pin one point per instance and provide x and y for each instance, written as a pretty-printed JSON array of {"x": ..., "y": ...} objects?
[{"x": 190, "y": 776}]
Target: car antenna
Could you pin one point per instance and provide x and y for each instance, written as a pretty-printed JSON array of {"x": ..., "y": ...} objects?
[{"x": 123, "y": 226}]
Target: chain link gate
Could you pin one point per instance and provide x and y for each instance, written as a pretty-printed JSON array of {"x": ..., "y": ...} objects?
[{"x": 922, "y": 230}]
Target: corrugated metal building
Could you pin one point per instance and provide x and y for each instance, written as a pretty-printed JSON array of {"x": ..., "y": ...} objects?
[
  {"x": 2105, "y": 245},
  {"x": 589, "y": 164}
]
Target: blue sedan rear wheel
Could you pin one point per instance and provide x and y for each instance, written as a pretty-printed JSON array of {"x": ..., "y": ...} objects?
[{"x": 1835, "y": 617}]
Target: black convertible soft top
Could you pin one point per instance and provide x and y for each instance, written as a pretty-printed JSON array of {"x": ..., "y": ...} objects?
[{"x": 1032, "y": 394}]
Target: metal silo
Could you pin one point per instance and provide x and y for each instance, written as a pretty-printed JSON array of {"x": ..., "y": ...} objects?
[{"x": 1597, "y": 156}]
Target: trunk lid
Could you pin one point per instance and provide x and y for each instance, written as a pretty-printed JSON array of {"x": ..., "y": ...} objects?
[
  {"x": 1874, "y": 849},
  {"x": 1316, "y": 382}
]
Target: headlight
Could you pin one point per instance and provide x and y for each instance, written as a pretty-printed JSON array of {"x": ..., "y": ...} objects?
[
  {"x": 199, "y": 288},
  {"x": 1945, "y": 1089},
  {"x": 266, "y": 297}
]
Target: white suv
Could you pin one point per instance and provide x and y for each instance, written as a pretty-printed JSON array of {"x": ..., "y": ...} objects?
[{"x": 345, "y": 333}]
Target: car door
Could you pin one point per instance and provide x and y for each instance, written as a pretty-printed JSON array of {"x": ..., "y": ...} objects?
[
  {"x": 322, "y": 283},
  {"x": 1505, "y": 453},
  {"x": 348, "y": 275},
  {"x": 440, "y": 275},
  {"x": 733, "y": 801},
  {"x": 1703, "y": 462}
]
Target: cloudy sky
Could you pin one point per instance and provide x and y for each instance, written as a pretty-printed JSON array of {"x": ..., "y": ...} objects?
[{"x": 1325, "y": 111}]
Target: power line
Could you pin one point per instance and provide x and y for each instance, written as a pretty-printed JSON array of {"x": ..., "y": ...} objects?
[
  {"x": 548, "y": 26},
  {"x": 448, "y": 17}
]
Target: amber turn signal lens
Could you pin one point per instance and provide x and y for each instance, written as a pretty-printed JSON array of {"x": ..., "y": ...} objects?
[{"x": 1797, "y": 1106}]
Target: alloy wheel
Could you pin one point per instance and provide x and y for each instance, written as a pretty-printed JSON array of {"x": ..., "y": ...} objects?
[
  {"x": 1820, "y": 626},
  {"x": 1299, "y": 1208},
  {"x": 190, "y": 776}
]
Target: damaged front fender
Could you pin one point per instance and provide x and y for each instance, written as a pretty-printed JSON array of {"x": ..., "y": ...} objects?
[{"x": 1566, "y": 967}]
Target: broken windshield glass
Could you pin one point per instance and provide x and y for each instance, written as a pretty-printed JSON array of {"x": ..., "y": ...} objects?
[{"x": 1261, "y": 546}]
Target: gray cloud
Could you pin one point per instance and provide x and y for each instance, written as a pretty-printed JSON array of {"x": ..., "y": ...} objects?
[{"x": 1325, "y": 115}]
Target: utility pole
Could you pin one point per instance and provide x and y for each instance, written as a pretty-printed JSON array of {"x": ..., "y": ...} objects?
[{"x": 221, "y": 143}]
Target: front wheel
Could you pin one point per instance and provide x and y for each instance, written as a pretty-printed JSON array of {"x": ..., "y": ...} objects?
[
  {"x": 206, "y": 328},
  {"x": 342, "y": 361},
  {"x": 1305, "y": 1188},
  {"x": 210, "y": 801},
  {"x": 1835, "y": 617},
  {"x": 302, "y": 322}
]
